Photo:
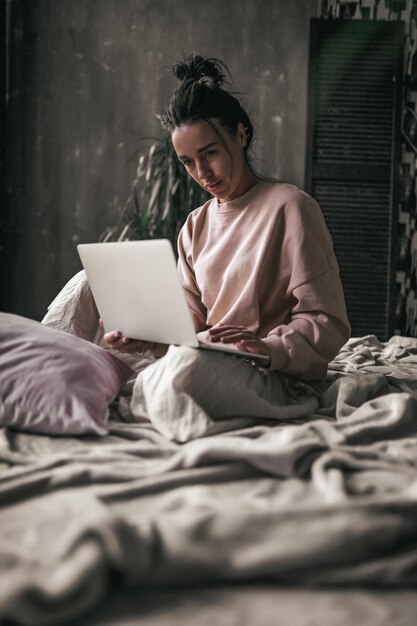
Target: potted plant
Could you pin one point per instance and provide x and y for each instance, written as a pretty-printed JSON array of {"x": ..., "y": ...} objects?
[{"x": 162, "y": 196}]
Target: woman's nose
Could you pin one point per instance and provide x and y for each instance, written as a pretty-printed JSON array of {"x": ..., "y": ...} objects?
[{"x": 202, "y": 170}]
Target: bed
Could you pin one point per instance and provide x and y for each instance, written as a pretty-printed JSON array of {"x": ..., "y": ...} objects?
[{"x": 309, "y": 521}]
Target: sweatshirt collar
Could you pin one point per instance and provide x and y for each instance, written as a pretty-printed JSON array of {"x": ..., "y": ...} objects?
[{"x": 238, "y": 203}]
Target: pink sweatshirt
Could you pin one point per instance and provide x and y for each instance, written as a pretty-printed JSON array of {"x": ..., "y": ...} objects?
[{"x": 265, "y": 261}]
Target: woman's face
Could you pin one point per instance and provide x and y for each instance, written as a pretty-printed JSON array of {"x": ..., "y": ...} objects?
[{"x": 214, "y": 158}]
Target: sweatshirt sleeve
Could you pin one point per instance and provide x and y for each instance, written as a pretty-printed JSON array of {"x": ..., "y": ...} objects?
[
  {"x": 187, "y": 277},
  {"x": 317, "y": 326}
]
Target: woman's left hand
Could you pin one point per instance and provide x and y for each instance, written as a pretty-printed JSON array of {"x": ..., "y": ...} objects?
[{"x": 241, "y": 337}]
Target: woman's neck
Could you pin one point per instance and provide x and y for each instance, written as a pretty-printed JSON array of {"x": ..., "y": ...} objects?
[{"x": 247, "y": 182}]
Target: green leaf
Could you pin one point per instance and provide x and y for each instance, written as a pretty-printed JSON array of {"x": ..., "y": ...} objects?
[{"x": 162, "y": 195}]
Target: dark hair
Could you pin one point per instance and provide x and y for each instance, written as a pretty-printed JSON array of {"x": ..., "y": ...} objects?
[{"x": 200, "y": 96}]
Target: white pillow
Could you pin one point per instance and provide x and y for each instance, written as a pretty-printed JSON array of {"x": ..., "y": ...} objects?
[{"x": 53, "y": 382}]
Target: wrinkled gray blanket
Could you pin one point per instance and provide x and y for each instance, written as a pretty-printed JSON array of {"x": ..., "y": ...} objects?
[{"x": 330, "y": 500}]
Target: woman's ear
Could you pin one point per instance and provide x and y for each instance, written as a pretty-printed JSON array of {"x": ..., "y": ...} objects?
[{"x": 241, "y": 135}]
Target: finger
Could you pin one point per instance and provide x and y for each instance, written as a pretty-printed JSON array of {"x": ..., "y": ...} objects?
[
  {"x": 112, "y": 336},
  {"x": 108, "y": 337},
  {"x": 231, "y": 332},
  {"x": 249, "y": 346},
  {"x": 221, "y": 328},
  {"x": 256, "y": 347},
  {"x": 233, "y": 336}
]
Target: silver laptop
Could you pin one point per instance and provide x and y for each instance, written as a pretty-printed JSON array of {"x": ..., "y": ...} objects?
[{"x": 137, "y": 291}]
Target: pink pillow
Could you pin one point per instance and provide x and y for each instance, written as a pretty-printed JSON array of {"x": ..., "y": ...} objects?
[{"x": 53, "y": 382}]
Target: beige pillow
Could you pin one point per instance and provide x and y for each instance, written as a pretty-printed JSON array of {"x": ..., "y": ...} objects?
[{"x": 53, "y": 382}]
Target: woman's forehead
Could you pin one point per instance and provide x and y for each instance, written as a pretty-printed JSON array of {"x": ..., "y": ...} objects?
[{"x": 195, "y": 135}]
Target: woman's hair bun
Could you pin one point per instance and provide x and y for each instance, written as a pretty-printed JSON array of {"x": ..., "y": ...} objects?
[{"x": 197, "y": 68}]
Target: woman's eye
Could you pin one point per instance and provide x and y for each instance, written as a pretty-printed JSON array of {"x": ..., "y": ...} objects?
[
  {"x": 186, "y": 163},
  {"x": 210, "y": 153}
]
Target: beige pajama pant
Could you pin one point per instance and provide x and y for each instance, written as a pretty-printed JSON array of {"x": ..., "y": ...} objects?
[{"x": 185, "y": 392}]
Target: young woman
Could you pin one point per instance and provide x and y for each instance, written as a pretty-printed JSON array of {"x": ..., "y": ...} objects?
[{"x": 258, "y": 269}]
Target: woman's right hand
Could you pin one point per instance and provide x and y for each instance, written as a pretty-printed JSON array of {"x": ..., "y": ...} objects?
[
  {"x": 127, "y": 345},
  {"x": 119, "y": 342}
]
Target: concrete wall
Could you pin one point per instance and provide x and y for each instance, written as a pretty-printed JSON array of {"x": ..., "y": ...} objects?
[{"x": 85, "y": 82}]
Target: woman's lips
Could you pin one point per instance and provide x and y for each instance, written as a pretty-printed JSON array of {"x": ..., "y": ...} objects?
[{"x": 213, "y": 186}]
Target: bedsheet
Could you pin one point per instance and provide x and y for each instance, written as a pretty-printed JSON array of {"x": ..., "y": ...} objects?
[{"x": 328, "y": 500}]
